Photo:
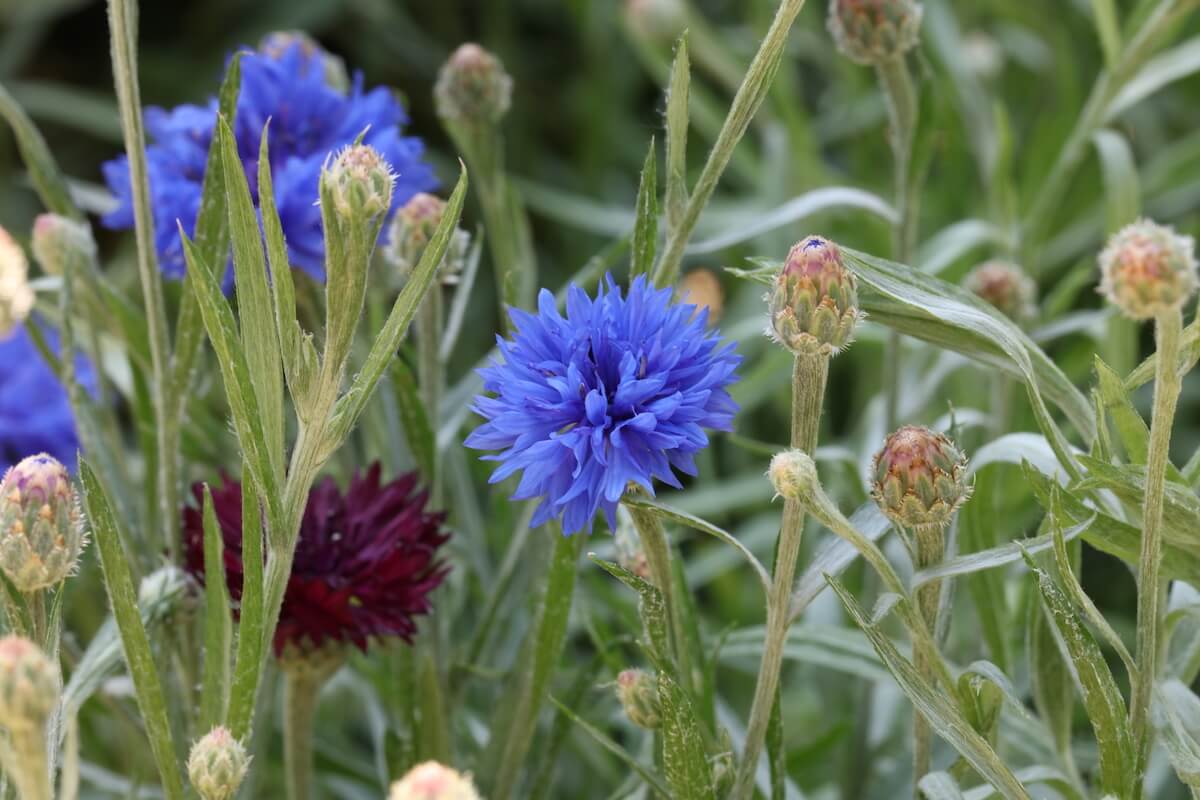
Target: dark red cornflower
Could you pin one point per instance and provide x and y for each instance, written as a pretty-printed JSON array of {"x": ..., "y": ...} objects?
[{"x": 365, "y": 563}]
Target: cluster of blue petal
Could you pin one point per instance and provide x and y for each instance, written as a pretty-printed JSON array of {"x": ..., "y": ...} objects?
[
  {"x": 310, "y": 118},
  {"x": 617, "y": 392},
  {"x": 35, "y": 416}
]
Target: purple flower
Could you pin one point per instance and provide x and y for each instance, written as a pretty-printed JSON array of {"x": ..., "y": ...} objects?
[
  {"x": 618, "y": 392},
  {"x": 294, "y": 84}
]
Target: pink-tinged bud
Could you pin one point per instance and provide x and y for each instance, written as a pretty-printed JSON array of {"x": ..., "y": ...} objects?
[
  {"x": 638, "y": 693},
  {"x": 661, "y": 20},
  {"x": 919, "y": 478},
  {"x": 875, "y": 31},
  {"x": 473, "y": 87},
  {"x": 41, "y": 529},
  {"x": 702, "y": 288},
  {"x": 276, "y": 45},
  {"x": 814, "y": 305},
  {"x": 361, "y": 182},
  {"x": 793, "y": 473},
  {"x": 217, "y": 765},
  {"x": 58, "y": 240},
  {"x": 1147, "y": 269},
  {"x": 1003, "y": 285},
  {"x": 29, "y": 685},
  {"x": 411, "y": 229},
  {"x": 433, "y": 781},
  {"x": 16, "y": 295}
]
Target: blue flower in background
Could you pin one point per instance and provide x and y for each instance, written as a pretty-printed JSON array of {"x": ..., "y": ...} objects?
[
  {"x": 313, "y": 113},
  {"x": 618, "y": 392},
  {"x": 35, "y": 416}
]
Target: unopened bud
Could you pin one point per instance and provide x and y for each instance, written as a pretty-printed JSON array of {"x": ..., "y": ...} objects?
[
  {"x": 361, "y": 182},
  {"x": 472, "y": 86},
  {"x": 1147, "y": 269},
  {"x": 661, "y": 20},
  {"x": 638, "y": 693},
  {"x": 411, "y": 229},
  {"x": 29, "y": 685},
  {"x": 59, "y": 240},
  {"x": 217, "y": 765},
  {"x": 16, "y": 295},
  {"x": 433, "y": 781},
  {"x": 702, "y": 288},
  {"x": 630, "y": 553},
  {"x": 875, "y": 31},
  {"x": 276, "y": 45},
  {"x": 814, "y": 305},
  {"x": 919, "y": 478},
  {"x": 1005, "y": 286},
  {"x": 793, "y": 473},
  {"x": 41, "y": 531},
  {"x": 311, "y": 663}
]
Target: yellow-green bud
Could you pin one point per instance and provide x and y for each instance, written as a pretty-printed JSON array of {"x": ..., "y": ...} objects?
[
  {"x": 472, "y": 86},
  {"x": 29, "y": 685},
  {"x": 16, "y": 295},
  {"x": 312, "y": 663},
  {"x": 919, "y": 478},
  {"x": 875, "y": 31},
  {"x": 638, "y": 693},
  {"x": 793, "y": 473},
  {"x": 1003, "y": 285},
  {"x": 57, "y": 239},
  {"x": 41, "y": 530},
  {"x": 1147, "y": 269},
  {"x": 361, "y": 182},
  {"x": 814, "y": 305},
  {"x": 433, "y": 781},
  {"x": 217, "y": 765}
]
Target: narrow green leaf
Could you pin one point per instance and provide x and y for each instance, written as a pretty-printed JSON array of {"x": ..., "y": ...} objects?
[
  {"x": 136, "y": 644},
  {"x": 1108, "y": 30},
  {"x": 939, "y": 786},
  {"x": 677, "y": 135},
  {"x": 1122, "y": 189},
  {"x": 651, "y": 778},
  {"x": 47, "y": 178},
  {"x": 1130, "y": 427},
  {"x": 978, "y": 534},
  {"x": 651, "y": 608},
  {"x": 684, "y": 760},
  {"x": 252, "y": 619},
  {"x": 414, "y": 419},
  {"x": 218, "y": 621},
  {"x": 996, "y": 557},
  {"x": 1181, "y": 511},
  {"x": 433, "y": 736},
  {"x": 1177, "y": 713},
  {"x": 836, "y": 556},
  {"x": 1175, "y": 64},
  {"x": 645, "y": 226}
]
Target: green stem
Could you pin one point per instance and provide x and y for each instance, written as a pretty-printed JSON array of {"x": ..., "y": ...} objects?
[
  {"x": 1168, "y": 331},
  {"x": 430, "y": 372},
  {"x": 809, "y": 374},
  {"x": 300, "y": 691},
  {"x": 930, "y": 548},
  {"x": 658, "y": 559}
]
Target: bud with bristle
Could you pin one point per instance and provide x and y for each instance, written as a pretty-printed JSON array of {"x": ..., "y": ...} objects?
[
  {"x": 411, "y": 229},
  {"x": 875, "y": 31},
  {"x": 1148, "y": 269},
  {"x": 41, "y": 530},
  {"x": 433, "y": 781},
  {"x": 59, "y": 240},
  {"x": 1003, "y": 285},
  {"x": 919, "y": 478},
  {"x": 16, "y": 295},
  {"x": 360, "y": 181},
  {"x": 814, "y": 304},
  {"x": 473, "y": 87},
  {"x": 702, "y": 288},
  {"x": 793, "y": 473},
  {"x": 217, "y": 765},
  {"x": 29, "y": 685},
  {"x": 638, "y": 692}
]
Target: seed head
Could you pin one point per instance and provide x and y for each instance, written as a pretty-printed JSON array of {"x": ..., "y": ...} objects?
[
  {"x": 473, "y": 87},
  {"x": 361, "y": 182},
  {"x": 1147, "y": 269},
  {"x": 217, "y": 765},
  {"x": 41, "y": 530},
  {"x": 16, "y": 295},
  {"x": 638, "y": 693},
  {"x": 814, "y": 305},
  {"x": 29, "y": 685},
  {"x": 919, "y": 478},
  {"x": 433, "y": 781},
  {"x": 1006, "y": 287},
  {"x": 875, "y": 31}
]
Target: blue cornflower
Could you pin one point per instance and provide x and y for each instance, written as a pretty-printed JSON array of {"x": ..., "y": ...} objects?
[
  {"x": 295, "y": 85},
  {"x": 35, "y": 416},
  {"x": 618, "y": 392}
]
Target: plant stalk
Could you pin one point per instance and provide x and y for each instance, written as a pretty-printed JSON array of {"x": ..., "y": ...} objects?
[
  {"x": 809, "y": 374},
  {"x": 658, "y": 558},
  {"x": 300, "y": 691},
  {"x": 929, "y": 549},
  {"x": 430, "y": 372}
]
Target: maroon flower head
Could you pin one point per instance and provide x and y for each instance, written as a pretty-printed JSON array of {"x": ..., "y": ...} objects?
[{"x": 365, "y": 563}]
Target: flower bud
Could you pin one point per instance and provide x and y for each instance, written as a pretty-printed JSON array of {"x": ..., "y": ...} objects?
[
  {"x": 702, "y": 288},
  {"x": 276, "y": 45},
  {"x": 217, "y": 765},
  {"x": 472, "y": 86},
  {"x": 433, "y": 781},
  {"x": 29, "y": 685},
  {"x": 1004, "y": 286},
  {"x": 630, "y": 553},
  {"x": 875, "y": 31},
  {"x": 919, "y": 478},
  {"x": 814, "y": 305},
  {"x": 1147, "y": 269},
  {"x": 411, "y": 229},
  {"x": 58, "y": 240},
  {"x": 793, "y": 473},
  {"x": 41, "y": 531},
  {"x": 638, "y": 693},
  {"x": 361, "y": 182},
  {"x": 661, "y": 20},
  {"x": 16, "y": 295},
  {"x": 311, "y": 663}
]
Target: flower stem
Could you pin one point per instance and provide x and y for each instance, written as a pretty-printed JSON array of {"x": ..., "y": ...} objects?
[
  {"x": 929, "y": 548},
  {"x": 809, "y": 374},
  {"x": 300, "y": 692},
  {"x": 658, "y": 559},
  {"x": 1168, "y": 331},
  {"x": 430, "y": 372}
]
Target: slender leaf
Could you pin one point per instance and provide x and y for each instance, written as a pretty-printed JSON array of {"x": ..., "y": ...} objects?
[
  {"x": 43, "y": 169},
  {"x": 678, "y": 89},
  {"x": 684, "y": 760},
  {"x": 645, "y": 226}
]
